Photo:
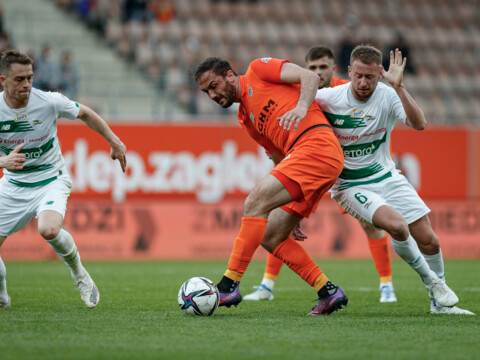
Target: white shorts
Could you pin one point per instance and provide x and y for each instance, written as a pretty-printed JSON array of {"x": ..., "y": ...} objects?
[
  {"x": 362, "y": 201},
  {"x": 18, "y": 205}
]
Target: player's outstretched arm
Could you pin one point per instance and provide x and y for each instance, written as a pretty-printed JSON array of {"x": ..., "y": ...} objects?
[
  {"x": 14, "y": 160},
  {"x": 394, "y": 76},
  {"x": 308, "y": 90},
  {"x": 95, "y": 122}
]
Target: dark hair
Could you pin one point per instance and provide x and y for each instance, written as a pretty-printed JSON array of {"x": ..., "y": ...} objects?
[
  {"x": 318, "y": 52},
  {"x": 217, "y": 65},
  {"x": 9, "y": 57},
  {"x": 366, "y": 54}
]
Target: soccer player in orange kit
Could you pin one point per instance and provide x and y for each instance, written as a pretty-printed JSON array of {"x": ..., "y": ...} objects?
[
  {"x": 320, "y": 60},
  {"x": 278, "y": 111}
]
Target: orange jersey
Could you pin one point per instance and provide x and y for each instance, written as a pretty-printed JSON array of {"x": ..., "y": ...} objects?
[
  {"x": 265, "y": 98},
  {"x": 337, "y": 81}
]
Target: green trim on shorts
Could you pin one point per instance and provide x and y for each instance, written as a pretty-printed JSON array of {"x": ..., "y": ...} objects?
[
  {"x": 346, "y": 185},
  {"x": 34, "y": 184}
]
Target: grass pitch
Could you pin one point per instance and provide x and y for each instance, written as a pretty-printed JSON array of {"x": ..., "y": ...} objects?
[{"x": 138, "y": 316}]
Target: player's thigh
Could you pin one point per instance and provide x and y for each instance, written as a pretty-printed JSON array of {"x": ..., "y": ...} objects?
[
  {"x": 267, "y": 195},
  {"x": 54, "y": 197},
  {"x": 359, "y": 202},
  {"x": 403, "y": 197},
  {"x": 16, "y": 208}
]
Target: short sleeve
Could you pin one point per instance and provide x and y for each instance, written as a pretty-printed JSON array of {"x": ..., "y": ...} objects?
[
  {"x": 268, "y": 69},
  {"x": 64, "y": 107}
]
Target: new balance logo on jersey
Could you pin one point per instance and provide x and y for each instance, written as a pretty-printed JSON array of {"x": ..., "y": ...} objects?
[
  {"x": 345, "y": 121},
  {"x": 14, "y": 126}
]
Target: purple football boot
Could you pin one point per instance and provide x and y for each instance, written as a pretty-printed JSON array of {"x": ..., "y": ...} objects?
[
  {"x": 330, "y": 304},
  {"x": 230, "y": 298}
]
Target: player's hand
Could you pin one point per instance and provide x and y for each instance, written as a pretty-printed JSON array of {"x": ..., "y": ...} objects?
[
  {"x": 291, "y": 117},
  {"x": 14, "y": 160},
  {"x": 297, "y": 233},
  {"x": 394, "y": 75},
  {"x": 118, "y": 152}
]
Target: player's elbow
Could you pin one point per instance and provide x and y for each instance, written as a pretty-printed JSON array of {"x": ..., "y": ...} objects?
[
  {"x": 421, "y": 126},
  {"x": 418, "y": 124}
]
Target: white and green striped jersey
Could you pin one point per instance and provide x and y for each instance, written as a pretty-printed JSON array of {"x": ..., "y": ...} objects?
[
  {"x": 363, "y": 129},
  {"x": 36, "y": 127}
]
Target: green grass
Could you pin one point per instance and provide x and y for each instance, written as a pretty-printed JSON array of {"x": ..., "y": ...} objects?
[{"x": 138, "y": 316}]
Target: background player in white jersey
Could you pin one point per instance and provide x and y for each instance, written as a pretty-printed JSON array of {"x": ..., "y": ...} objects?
[
  {"x": 35, "y": 181},
  {"x": 363, "y": 114},
  {"x": 320, "y": 60}
]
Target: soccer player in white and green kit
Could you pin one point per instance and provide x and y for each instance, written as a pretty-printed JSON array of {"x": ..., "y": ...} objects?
[
  {"x": 363, "y": 114},
  {"x": 35, "y": 181}
]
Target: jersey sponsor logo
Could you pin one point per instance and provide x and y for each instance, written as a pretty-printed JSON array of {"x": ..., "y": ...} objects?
[
  {"x": 20, "y": 117},
  {"x": 11, "y": 126},
  {"x": 250, "y": 91},
  {"x": 359, "y": 150},
  {"x": 378, "y": 131},
  {"x": 32, "y": 153},
  {"x": 264, "y": 116},
  {"x": 12, "y": 141},
  {"x": 266, "y": 59},
  {"x": 357, "y": 113}
]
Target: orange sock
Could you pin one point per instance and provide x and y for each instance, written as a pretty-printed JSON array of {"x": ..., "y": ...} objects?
[
  {"x": 248, "y": 240},
  {"x": 297, "y": 259},
  {"x": 272, "y": 269},
  {"x": 381, "y": 257}
]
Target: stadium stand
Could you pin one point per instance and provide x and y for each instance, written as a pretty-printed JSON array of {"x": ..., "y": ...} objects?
[{"x": 443, "y": 37}]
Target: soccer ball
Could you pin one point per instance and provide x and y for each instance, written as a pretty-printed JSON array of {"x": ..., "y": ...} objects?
[{"x": 198, "y": 296}]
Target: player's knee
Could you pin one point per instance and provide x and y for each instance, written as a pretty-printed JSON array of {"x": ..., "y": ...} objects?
[
  {"x": 270, "y": 242},
  {"x": 399, "y": 230},
  {"x": 430, "y": 245},
  {"x": 49, "y": 232}
]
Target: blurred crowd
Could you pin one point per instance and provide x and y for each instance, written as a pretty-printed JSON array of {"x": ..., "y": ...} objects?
[
  {"x": 165, "y": 39},
  {"x": 51, "y": 73}
]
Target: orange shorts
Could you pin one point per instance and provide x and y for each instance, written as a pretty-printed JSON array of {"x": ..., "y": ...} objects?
[{"x": 309, "y": 169}]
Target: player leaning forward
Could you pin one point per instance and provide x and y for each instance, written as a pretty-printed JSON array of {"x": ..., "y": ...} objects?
[
  {"x": 35, "y": 181},
  {"x": 363, "y": 115}
]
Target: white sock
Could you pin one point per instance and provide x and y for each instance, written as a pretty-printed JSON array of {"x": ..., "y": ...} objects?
[
  {"x": 3, "y": 279},
  {"x": 408, "y": 251},
  {"x": 65, "y": 247},
  {"x": 269, "y": 283},
  {"x": 435, "y": 262}
]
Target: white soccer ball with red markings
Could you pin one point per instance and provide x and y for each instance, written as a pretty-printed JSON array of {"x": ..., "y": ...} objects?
[{"x": 198, "y": 296}]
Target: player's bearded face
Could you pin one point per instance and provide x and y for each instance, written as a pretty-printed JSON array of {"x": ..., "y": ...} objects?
[
  {"x": 225, "y": 97},
  {"x": 364, "y": 79},
  {"x": 218, "y": 88}
]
